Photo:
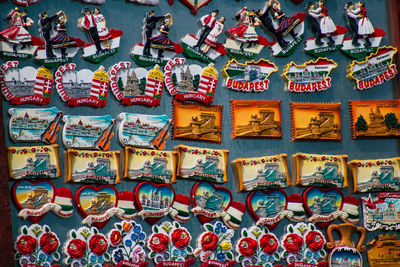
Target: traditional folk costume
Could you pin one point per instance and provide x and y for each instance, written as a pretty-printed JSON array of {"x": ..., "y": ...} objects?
[
  {"x": 364, "y": 24},
  {"x": 162, "y": 41},
  {"x": 61, "y": 39},
  {"x": 212, "y": 38},
  {"x": 286, "y": 24},
  {"x": 209, "y": 23},
  {"x": 17, "y": 33},
  {"x": 245, "y": 32},
  {"x": 102, "y": 30},
  {"x": 326, "y": 24}
]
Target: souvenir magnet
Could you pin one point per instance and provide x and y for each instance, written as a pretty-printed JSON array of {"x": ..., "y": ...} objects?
[
  {"x": 83, "y": 87},
  {"x": 268, "y": 208},
  {"x": 375, "y": 118},
  {"x": 303, "y": 246},
  {"x": 93, "y": 167},
  {"x": 169, "y": 245},
  {"x": 33, "y": 162},
  {"x": 250, "y": 76},
  {"x": 214, "y": 246},
  {"x": 345, "y": 252},
  {"x": 381, "y": 212},
  {"x": 376, "y": 175},
  {"x": 205, "y": 46},
  {"x": 202, "y": 164},
  {"x": 34, "y": 124},
  {"x": 384, "y": 251},
  {"x": 86, "y": 247},
  {"x": 256, "y": 119},
  {"x": 261, "y": 173},
  {"x": 26, "y": 2},
  {"x": 59, "y": 48},
  {"x": 37, "y": 245},
  {"x": 35, "y": 199},
  {"x": 152, "y": 165},
  {"x": 194, "y": 6},
  {"x": 140, "y": 130},
  {"x": 155, "y": 49},
  {"x": 312, "y": 76},
  {"x": 257, "y": 247},
  {"x": 320, "y": 170},
  {"x": 136, "y": 86},
  {"x": 97, "y": 2},
  {"x": 316, "y": 121},
  {"x": 197, "y": 122},
  {"x": 376, "y": 69},
  {"x": 27, "y": 85},
  {"x": 127, "y": 240},
  {"x": 145, "y": 2}
]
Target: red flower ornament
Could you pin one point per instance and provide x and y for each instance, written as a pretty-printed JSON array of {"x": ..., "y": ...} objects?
[
  {"x": 26, "y": 244},
  {"x": 209, "y": 241},
  {"x": 76, "y": 248},
  {"x": 180, "y": 237},
  {"x": 292, "y": 243},
  {"x": 98, "y": 244},
  {"x": 269, "y": 243},
  {"x": 49, "y": 243},
  {"x": 115, "y": 237},
  {"x": 247, "y": 246},
  {"x": 159, "y": 242},
  {"x": 314, "y": 240}
]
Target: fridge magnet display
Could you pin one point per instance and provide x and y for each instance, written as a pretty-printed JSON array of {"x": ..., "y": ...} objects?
[
  {"x": 140, "y": 130},
  {"x": 169, "y": 245},
  {"x": 104, "y": 42},
  {"x": 303, "y": 245},
  {"x": 257, "y": 247},
  {"x": 136, "y": 86},
  {"x": 34, "y": 124},
  {"x": 214, "y": 246},
  {"x": 194, "y": 6},
  {"x": 96, "y": 204},
  {"x": 312, "y": 76},
  {"x": 261, "y": 172},
  {"x": 375, "y": 118},
  {"x": 376, "y": 175},
  {"x": 127, "y": 241},
  {"x": 256, "y": 119},
  {"x": 194, "y": 82},
  {"x": 205, "y": 47},
  {"x": 35, "y": 199},
  {"x": 202, "y": 164},
  {"x": 320, "y": 170},
  {"x": 197, "y": 122},
  {"x": 365, "y": 38},
  {"x": 16, "y": 41},
  {"x": 316, "y": 121},
  {"x": 376, "y": 69},
  {"x": 155, "y": 49},
  {"x": 86, "y": 247},
  {"x": 59, "y": 48},
  {"x": 345, "y": 252},
  {"x": 37, "y": 245},
  {"x": 268, "y": 208},
  {"x": 383, "y": 251},
  {"x": 152, "y": 165},
  {"x": 98, "y": 167},
  {"x": 88, "y": 132},
  {"x": 381, "y": 212},
  {"x": 83, "y": 87},
  {"x": 33, "y": 162},
  {"x": 26, "y": 85},
  {"x": 250, "y": 76},
  {"x": 287, "y": 31},
  {"x": 243, "y": 40}
]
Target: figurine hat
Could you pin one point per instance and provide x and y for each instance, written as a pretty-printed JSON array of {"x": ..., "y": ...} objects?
[
  {"x": 180, "y": 208},
  {"x": 216, "y": 11},
  {"x": 295, "y": 205},
  {"x": 63, "y": 199},
  {"x": 234, "y": 214}
]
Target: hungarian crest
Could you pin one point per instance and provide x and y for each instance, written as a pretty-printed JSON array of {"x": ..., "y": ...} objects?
[
  {"x": 136, "y": 86},
  {"x": 27, "y": 85},
  {"x": 83, "y": 87}
]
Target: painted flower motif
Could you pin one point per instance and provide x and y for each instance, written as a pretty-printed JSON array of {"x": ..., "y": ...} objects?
[
  {"x": 159, "y": 242},
  {"x": 115, "y": 237},
  {"x": 226, "y": 245},
  {"x": 76, "y": 248},
  {"x": 126, "y": 226},
  {"x": 247, "y": 246},
  {"x": 138, "y": 255},
  {"x": 98, "y": 244},
  {"x": 137, "y": 228},
  {"x": 209, "y": 241},
  {"x": 221, "y": 256},
  {"x": 26, "y": 244},
  {"x": 292, "y": 243},
  {"x": 180, "y": 237},
  {"x": 314, "y": 240},
  {"x": 269, "y": 243},
  {"x": 49, "y": 243}
]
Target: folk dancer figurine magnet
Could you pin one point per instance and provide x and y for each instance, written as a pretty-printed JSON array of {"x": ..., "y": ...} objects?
[{"x": 205, "y": 47}]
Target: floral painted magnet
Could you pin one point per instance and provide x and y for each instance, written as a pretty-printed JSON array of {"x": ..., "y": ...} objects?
[
  {"x": 197, "y": 122},
  {"x": 316, "y": 121},
  {"x": 261, "y": 172},
  {"x": 320, "y": 170},
  {"x": 202, "y": 164},
  {"x": 376, "y": 175},
  {"x": 375, "y": 118},
  {"x": 34, "y": 124},
  {"x": 152, "y": 165},
  {"x": 98, "y": 167},
  {"x": 26, "y": 85},
  {"x": 256, "y": 119}
]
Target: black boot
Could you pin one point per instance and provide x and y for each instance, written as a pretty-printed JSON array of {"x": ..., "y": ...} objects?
[
  {"x": 331, "y": 42},
  {"x": 160, "y": 53},
  {"x": 14, "y": 48},
  {"x": 63, "y": 52},
  {"x": 367, "y": 42}
]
